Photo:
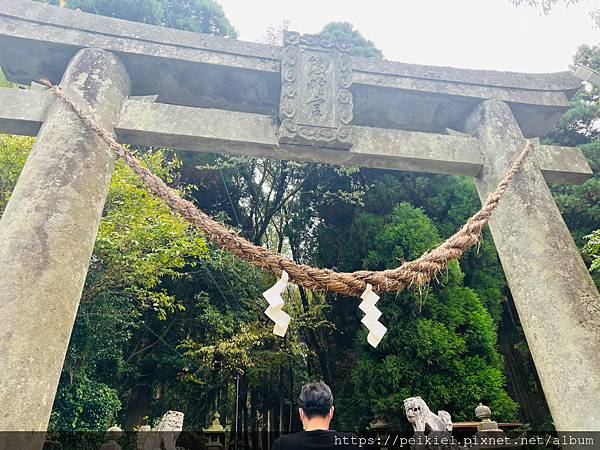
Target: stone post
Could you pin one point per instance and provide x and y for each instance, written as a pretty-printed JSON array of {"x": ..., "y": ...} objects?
[
  {"x": 556, "y": 299},
  {"x": 47, "y": 234}
]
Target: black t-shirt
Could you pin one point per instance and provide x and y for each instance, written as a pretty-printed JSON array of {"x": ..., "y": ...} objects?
[{"x": 317, "y": 440}]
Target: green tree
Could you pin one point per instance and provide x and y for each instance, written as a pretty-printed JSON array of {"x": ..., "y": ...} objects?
[
  {"x": 547, "y": 5},
  {"x": 3, "y": 81},
  {"x": 140, "y": 241},
  {"x": 14, "y": 151},
  {"x": 441, "y": 342},
  {"x": 202, "y": 16},
  {"x": 360, "y": 45},
  {"x": 140, "y": 244},
  {"x": 85, "y": 406},
  {"x": 579, "y": 126}
]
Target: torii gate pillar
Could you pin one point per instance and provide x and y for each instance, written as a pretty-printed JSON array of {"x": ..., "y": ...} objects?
[
  {"x": 47, "y": 232},
  {"x": 556, "y": 299}
]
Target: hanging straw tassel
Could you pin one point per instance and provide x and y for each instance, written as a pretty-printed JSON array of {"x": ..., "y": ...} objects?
[
  {"x": 371, "y": 320},
  {"x": 276, "y": 303}
]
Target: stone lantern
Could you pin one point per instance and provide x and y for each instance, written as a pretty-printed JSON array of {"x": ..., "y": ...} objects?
[
  {"x": 381, "y": 429},
  {"x": 215, "y": 433},
  {"x": 487, "y": 427},
  {"x": 112, "y": 435}
]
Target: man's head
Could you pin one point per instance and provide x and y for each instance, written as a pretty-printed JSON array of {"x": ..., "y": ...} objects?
[{"x": 316, "y": 405}]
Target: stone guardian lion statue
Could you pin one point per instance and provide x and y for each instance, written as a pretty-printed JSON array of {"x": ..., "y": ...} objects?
[
  {"x": 422, "y": 419},
  {"x": 164, "y": 436}
]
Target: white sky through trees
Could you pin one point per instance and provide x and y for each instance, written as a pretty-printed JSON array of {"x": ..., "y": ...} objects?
[{"x": 477, "y": 34}]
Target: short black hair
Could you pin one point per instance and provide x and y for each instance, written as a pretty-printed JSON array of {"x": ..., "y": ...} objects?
[{"x": 316, "y": 399}]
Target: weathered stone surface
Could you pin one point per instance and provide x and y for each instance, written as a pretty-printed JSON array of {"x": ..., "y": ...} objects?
[
  {"x": 562, "y": 164},
  {"x": 113, "y": 434},
  {"x": 423, "y": 419},
  {"x": 535, "y": 81},
  {"x": 47, "y": 233},
  {"x": 256, "y": 135},
  {"x": 143, "y": 122},
  {"x": 555, "y": 296},
  {"x": 316, "y": 103},
  {"x": 164, "y": 435},
  {"x": 38, "y": 40},
  {"x": 192, "y": 69},
  {"x": 586, "y": 74},
  {"x": 22, "y": 111},
  {"x": 432, "y": 106}
]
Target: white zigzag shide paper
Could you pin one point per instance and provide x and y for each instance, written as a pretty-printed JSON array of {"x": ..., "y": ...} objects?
[
  {"x": 274, "y": 311},
  {"x": 371, "y": 320}
]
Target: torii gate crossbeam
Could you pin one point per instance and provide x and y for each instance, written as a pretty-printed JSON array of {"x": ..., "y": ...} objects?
[{"x": 307, "y": 101}]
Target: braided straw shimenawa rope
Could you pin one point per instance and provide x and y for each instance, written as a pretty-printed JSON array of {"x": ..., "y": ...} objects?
[{"x": 416, "y": 272}]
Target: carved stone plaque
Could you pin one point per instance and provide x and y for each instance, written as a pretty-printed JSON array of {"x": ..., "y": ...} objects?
[{"x": 316, "y": 102}]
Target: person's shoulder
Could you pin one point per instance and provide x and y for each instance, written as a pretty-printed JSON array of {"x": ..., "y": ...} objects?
[
  {"x": 304, "y": 440},
  {"x": 318, "y": 439},
  {"x": 287, "y": 438},
  {"x": 291, "y": 436}
]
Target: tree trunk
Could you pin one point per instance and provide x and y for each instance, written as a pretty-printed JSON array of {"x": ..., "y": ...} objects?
[
  {"x": 139, "y": 403},
  {"x": 244, "y": 409},
  {"x": 523, "y": 382},
  {"x": 292, "y": 393},
  {"x": 253, "y": 417}
]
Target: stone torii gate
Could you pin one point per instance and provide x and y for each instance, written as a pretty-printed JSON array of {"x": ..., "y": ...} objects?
[{"x": 307, "y": 101}]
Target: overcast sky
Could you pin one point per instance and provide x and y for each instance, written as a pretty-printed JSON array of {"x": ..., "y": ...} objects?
[{"x": 478, "y": 34}]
